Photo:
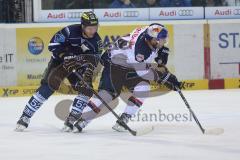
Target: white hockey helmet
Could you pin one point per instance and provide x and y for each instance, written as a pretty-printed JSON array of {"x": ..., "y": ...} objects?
[{"x": 157, "y": 31}]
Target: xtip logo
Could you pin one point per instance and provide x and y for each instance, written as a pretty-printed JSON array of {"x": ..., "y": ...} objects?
[
  {"x": 186, "y": 85},
  {"x": 7, "y": 92}
]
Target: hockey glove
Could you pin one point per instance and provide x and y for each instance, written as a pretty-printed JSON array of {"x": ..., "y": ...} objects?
[
  {"x": 162, "y": 57},
  {"x": 170, "y": 81},
  {"x": 72, "y": 63},
  {"x": 85, "y": 84}
]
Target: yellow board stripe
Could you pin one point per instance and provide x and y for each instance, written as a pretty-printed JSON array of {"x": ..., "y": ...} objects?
[
  {"x": 231, "y": 83},
  {"x": 18, "y": 91}
]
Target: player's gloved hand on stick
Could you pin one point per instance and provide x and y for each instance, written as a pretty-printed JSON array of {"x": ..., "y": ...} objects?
[
  {"x": 121, "y": 43},
  {"x": 85, "y": 84},
  {"x": 106, "y": 58},
  {"x": 88, "y": 73},
  {"x": 163, "y": 76},
  {"x": 170, "y": 81},
  {"x": 162, "y": 57},
  {"x": 73, "y": 63}
]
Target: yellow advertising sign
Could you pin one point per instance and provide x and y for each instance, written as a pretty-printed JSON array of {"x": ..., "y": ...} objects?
[
  {"x": 195, "y": 84},
  {"x": 230, "y": 83},
  {"x": 17, "y": 91},
  {"x": 32, "y": 54},
  {"x": 186, "y": 85}
]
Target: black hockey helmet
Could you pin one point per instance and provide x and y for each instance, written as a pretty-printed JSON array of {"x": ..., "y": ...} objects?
[{"x": 89, "y": 19}]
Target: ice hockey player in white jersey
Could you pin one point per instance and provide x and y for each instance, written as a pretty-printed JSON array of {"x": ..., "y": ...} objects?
[{"x": 127, "y": 63}]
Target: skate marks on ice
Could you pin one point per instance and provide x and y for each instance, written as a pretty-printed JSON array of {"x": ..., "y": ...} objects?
[
  {"x": 145, "y": 129},
  {"x": 163, "y": 139},
  {"x": 186, "y": 129}
]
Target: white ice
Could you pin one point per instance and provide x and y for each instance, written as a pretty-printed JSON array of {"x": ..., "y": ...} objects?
[{"x": 169, "y": 141}]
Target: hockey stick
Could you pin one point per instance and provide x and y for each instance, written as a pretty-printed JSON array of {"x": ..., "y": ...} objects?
[
  {"x": 214, "y": 131},
  {"x": 134, "y": 133}
]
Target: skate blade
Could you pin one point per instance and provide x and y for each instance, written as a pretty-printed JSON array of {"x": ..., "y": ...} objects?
[
  {"x": 118, "y": 128},
  {"x": 75, "y": 130},
  {"x": 19, "y": 128},
  {"x": 66, "y": 129}
]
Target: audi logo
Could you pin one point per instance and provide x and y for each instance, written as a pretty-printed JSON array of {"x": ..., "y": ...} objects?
[
  {"x": 236, "y": 11},
  {"x": 130, "y": 14},
  {"x": 185, "y": 12},
  {"x": 74, "y": 15}
]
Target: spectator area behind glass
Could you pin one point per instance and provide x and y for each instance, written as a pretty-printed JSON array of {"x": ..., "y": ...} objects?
[{"x": 89, "y": 4}]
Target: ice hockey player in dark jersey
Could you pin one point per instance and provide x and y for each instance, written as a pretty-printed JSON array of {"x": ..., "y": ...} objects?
[
  {"x": 127, "y": 63},
  {"x": 74, "y": 48}
]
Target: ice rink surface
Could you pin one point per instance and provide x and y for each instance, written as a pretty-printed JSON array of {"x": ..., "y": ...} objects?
[{"x": 169, "y": 141}]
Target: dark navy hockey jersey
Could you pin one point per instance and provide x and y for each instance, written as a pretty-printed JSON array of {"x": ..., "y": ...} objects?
[{"x": 70, "y": 42}]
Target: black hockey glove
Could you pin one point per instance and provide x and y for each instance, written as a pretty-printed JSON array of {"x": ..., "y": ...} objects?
[
  {"x": 162, "y": 57},
  {"x": 72, "y": 63},
  {"x": 163, "y": 76},
  {"x": 170, "y": 81},
  {"x": 73, "y": 45},
  {"x": 121, "y": 43},
  {"x": 85, "y": 85},
  {"x": 88, "y": 72},
  {"x": 57, "y": 75},
  {"x": 106, "y": 58}
]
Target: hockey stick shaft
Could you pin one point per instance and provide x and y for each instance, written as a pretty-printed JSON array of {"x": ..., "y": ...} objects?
[
  {"x": 108, "y": 107},
  {"x": 190, "y": 110}
]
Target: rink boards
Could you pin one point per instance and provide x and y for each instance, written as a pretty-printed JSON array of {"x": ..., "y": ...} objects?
[{"x": 204, "y": 54}]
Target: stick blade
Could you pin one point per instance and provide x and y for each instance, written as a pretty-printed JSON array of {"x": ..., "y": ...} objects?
[
  {"x": 214, "y": 131},
  {"x": 144, "y": 131}
]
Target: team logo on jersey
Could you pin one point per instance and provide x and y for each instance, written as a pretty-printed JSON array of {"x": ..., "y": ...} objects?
[
  {"x": 140, "y": 57},
  {"x": 59, "y": 38},
  {"x": 35, "y": 46}
]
